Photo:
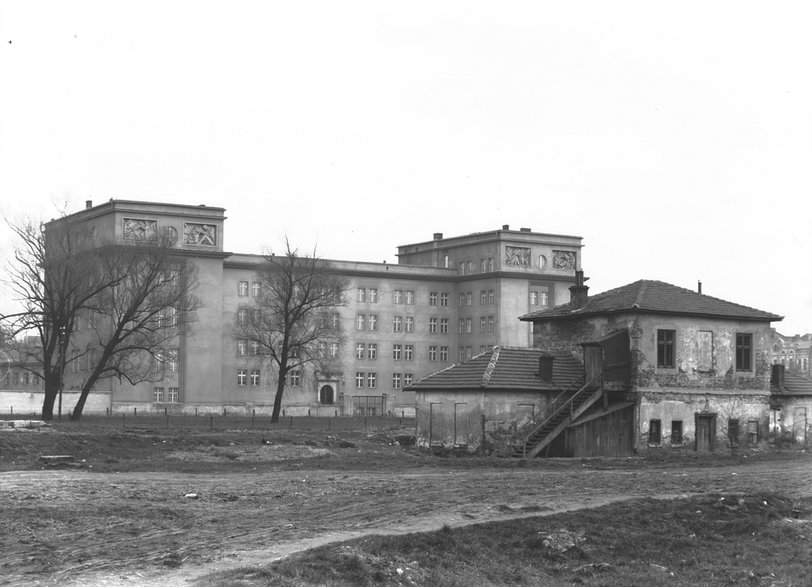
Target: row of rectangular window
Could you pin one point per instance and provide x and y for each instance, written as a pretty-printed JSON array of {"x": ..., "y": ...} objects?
[
  {"x": 467, "y": 267},
  {"x": 655, "y": 435},
  {"x": 369, "y": 380},
  {"x": 251, "y": 377},
  {"x": 667, "y": 350},
  {"x": 370, "y": 295},
  {"x": 172, "y": 395},
  {"x": 243, "y": 289}
]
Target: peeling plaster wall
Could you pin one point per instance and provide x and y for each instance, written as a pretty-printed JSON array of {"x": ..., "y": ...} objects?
[
  {"x": 451, "y": 419},
  {"x": 690, "y": 387},
  {"x": 793, "y": 423}
]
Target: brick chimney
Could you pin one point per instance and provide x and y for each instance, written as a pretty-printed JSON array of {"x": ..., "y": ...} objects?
[
  {"x": 777, "y": 376},
  {"x": 546, "y": 367},
  {"x": 578, "y": 292}
]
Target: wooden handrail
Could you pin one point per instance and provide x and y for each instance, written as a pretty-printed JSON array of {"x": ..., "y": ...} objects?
[{"x": 556, "y": 411}]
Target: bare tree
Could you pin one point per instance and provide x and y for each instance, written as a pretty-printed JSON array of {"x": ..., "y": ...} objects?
[
  {"x": 150, "y": 303},
  {"x": 295, "y": 314},
  {"x": 134, "y": 298},
  {"x": 53, "y": 276}
]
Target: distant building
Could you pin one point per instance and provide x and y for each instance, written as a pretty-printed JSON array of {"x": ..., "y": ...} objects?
[
  {"x": 793, "y": 352},
  {"x": 446, "y": 300}
]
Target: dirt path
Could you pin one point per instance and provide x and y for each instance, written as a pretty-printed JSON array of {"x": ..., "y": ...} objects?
[{"x": 77, "y": 528}]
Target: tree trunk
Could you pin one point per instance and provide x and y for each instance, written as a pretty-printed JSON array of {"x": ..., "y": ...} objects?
[
  {"x": 80, "y": 404},
  {"x": 277, "y": 401},
  {"x": 51, "y": 392}
]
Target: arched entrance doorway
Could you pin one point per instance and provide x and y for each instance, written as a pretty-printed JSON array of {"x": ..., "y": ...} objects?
[{"x": 326, "y": 395}]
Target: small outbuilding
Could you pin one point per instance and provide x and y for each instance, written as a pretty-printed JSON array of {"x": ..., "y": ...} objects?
[{"x": 492, "y": 396}]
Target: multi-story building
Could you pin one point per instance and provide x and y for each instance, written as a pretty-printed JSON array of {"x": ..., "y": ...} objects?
[
  {"x": 447, "y": 300},
  {"x": 793, "y": 352}
]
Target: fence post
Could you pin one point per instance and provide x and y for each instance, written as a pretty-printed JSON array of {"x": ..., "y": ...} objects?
[
  {"x": 12, "y": 410},
  {"x": 224, "y": 411},
  {"x": 166, "y": 414},
  {"x": 135, "y": 412}
]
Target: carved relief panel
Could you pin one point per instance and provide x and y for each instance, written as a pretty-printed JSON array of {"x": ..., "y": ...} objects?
[
  {"x": 199, "y": 234},
  {"x": 563, "y": 260},
  {"x": 139, "y": 229},
  {"x": 517, "y": 256}
]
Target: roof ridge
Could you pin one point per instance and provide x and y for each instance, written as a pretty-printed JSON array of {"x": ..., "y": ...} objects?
[{"x": 486, "y": 376}]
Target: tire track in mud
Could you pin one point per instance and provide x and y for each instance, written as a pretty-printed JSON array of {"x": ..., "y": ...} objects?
[{"x": 116, "y": 534}]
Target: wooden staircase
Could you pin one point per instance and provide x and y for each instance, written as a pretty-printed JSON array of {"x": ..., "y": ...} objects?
[{"x": 566, "y": 408}]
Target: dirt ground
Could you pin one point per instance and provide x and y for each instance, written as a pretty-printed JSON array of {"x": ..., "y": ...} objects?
[{"x": 149, "y": 507}]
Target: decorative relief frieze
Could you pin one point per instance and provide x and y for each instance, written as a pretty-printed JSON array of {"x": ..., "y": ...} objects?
[
  {"x": 563, "y": 260},
  {"x": 199, "y": 234},
  {"x": 517, "y": 256},
  {"x": 139, "y": 229}
]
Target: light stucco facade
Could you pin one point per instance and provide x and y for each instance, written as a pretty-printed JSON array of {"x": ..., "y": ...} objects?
[{"x": 446, "y": 300}]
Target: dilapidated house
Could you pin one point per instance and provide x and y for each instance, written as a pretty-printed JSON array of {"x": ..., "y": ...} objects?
[{"x": 698, "y": 368}]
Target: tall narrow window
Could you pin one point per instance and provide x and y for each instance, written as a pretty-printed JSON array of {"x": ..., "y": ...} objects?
[
  {"x": 242, "y": 375},
  {"x": 744, "y": 352},
  {"x": 372, "y": 351},
  {"x": 665, "y": 348},
  {"x": 655, "y": 432},
  {"x": 373, "y": 322},
  {"x": 432, "y": 325},
  {"x": 409, "y": 323},
  {"x": 256, "y": 289},
  {"x": 360, "y": 350},
  {"x": 397, "y": 324},
  {"x": 444, "y": 299},
  {"x": 676, "y": 431},
  {"x": 432, "y": 298},
  {"x": 242, "y": 288},
  {"x": 362, "y": 295},
  {"x": 373, "y": 296}
]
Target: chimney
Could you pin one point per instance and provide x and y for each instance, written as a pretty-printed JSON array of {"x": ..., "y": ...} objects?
[
  {"x": 578, "y": 292},
  {"x": 699, "y": 286},
  {"x": 777, "y": 376},
  {"x": 88, "y": 203},
  {"x": 524, "y": 229},
  {"x": 546, "y": 367},
  {"x": 438, "y": 236},
  {"x": 506, "y": 227}
]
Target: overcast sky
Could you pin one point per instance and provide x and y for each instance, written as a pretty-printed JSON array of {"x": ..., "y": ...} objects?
[{"x": 674, "y": 137}]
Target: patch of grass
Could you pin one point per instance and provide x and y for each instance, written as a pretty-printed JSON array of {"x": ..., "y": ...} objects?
[{"x": 762, "y": 539}]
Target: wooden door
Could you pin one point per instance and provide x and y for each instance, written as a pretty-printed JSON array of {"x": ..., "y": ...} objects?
[
  {"x": 705, "y": 432},
  {"x": 799, "y": 424},
  {"x": 593, "y": 364}
]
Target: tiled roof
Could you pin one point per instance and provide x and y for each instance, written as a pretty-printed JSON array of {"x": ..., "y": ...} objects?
[
  {"x": 503, "y": 369},
  {"x": 653, "y": 296},
  {"x": 794, "y": 385}
]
